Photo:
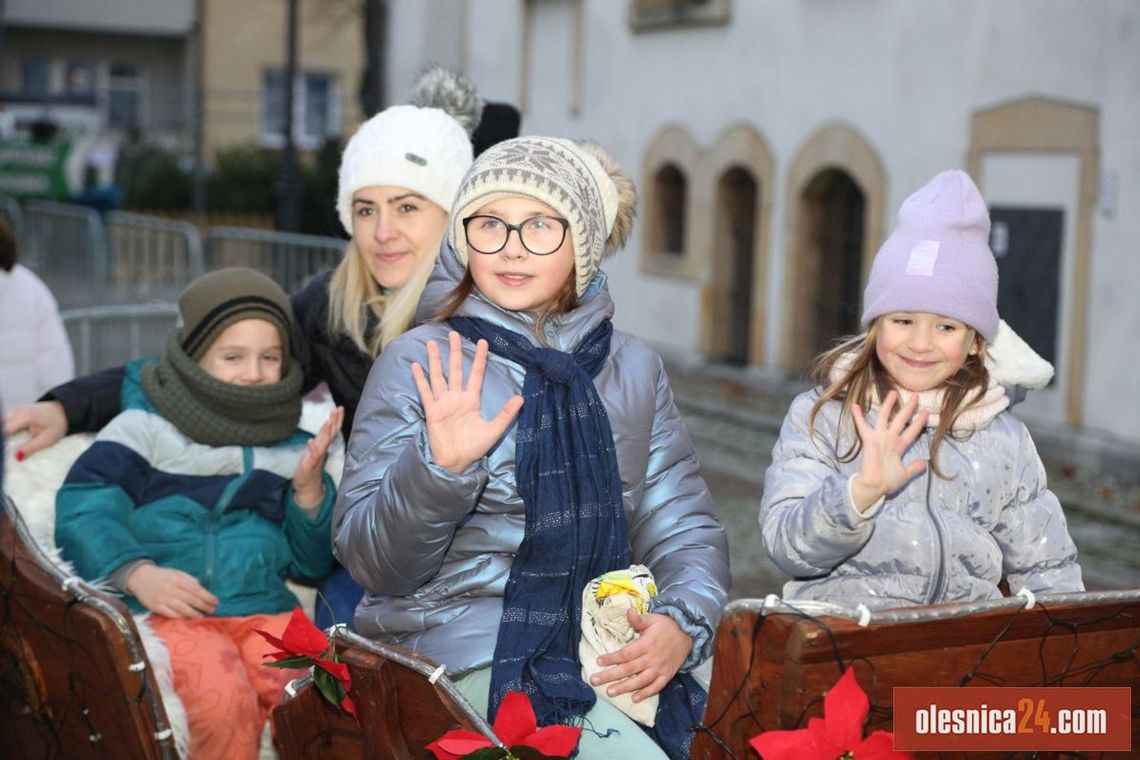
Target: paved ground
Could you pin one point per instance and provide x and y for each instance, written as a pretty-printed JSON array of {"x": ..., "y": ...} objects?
[{"x": 734, "y": 420}]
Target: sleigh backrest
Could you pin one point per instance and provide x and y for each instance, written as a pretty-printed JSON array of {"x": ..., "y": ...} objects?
[
  {"x": 772, "y": 664},
  {"x": 404, "y": 701},
  {"x": 74, "y": 676}
]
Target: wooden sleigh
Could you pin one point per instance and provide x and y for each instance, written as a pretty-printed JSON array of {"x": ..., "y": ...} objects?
[
  {"x": 79, "y": 675},
  {"x": 404, "y": 701},
  {"x": 772, "y": 664},
  {"x": 75, "y": 679}
]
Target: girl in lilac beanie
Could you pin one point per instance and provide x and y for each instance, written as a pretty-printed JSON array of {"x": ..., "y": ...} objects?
[{"x": 901, "y": 478}]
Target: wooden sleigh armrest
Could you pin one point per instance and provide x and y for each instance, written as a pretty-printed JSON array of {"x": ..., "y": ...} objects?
[
  {"x": 772, "y": 667},
  {"x": 404, "y": 701},
  {"x": 75, "y": 680}
]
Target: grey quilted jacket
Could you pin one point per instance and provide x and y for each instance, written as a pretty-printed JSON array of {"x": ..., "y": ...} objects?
[
  {"x": 433, "y": 549},
  {"x": 933, "y": 541}
]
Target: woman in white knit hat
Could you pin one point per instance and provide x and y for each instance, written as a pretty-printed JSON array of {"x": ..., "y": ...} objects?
[
  {"x": 475, "y": 538},
  {"x": 398, "y": 176}
]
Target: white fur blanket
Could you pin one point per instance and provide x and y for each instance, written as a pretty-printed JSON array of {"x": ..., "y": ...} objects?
[{"x": 32, "y": 485}]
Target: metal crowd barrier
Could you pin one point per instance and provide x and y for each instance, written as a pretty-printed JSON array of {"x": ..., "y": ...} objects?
[
  {"x": 89, "y": 259},
  {"x": 108, "y": 336},
  {"x": 289, "y": 258},
  {"x": 152, "y": 258},
  {"x": 67, "y": 246}
]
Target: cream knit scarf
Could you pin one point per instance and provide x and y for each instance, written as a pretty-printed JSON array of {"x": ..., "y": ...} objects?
[{"x": 978, "y": 408}]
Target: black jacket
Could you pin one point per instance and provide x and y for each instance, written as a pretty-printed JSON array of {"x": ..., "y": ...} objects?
[
  {"x": 90, "y": 402},
  {"x": 331, "y": 359}
]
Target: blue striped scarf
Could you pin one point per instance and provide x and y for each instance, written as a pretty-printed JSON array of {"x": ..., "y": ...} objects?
[{"x": 567, "y": 474}]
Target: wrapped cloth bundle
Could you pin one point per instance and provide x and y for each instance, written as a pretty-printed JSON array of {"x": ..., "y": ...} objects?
[{"x": 606, "y": 601}]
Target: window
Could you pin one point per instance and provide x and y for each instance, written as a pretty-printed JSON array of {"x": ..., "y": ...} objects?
[
  {"x": 79, "y": 78},
  {"x": 654, "y": 14},
  {"x": 316, "y": 108},
  {"x": 35, "y": 76},
  {"x": 669, "y": 192},
  {"x": 124, "y": 95}
]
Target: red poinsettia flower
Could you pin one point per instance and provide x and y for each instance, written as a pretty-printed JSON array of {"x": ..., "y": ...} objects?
[
  {"x": 300, "y": 638},
  {"x": 839, "y": 734},
  {"x": 515, "y": 725},
  {"x": 303, "y": 645}
]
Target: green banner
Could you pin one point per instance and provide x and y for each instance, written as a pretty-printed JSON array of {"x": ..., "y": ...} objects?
[{"x": 34, "y": 169}]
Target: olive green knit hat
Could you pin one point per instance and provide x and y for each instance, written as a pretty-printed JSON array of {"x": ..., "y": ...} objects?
[{"x": 218, "y": 299}]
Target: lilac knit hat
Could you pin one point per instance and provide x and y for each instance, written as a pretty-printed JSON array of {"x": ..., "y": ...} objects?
[{"x": 938, "y": 259}]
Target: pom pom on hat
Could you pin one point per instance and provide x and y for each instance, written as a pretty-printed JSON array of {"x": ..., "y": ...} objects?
[
  {"x": 581, "y": 181},
  {"x": 938, "y": 258}
]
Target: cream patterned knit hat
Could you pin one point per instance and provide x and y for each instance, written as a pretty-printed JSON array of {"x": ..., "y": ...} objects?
[{"x": 578, "y": 180}]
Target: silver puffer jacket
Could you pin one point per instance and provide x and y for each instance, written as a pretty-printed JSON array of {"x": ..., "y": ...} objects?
[
  {"x": 933, "y": 541},
  {"x": 433, "y": 549}
]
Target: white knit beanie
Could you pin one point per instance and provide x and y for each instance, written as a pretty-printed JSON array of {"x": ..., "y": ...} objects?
[
  {"x": 422, "y": 149},
  {"x": 565, "y": 176}
]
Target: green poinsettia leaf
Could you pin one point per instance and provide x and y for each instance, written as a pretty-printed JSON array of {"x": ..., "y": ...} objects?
[
  {"x": 487, "y": 753},
  {"x": 328, "y": 686},
  {"x": 297, "y": 662},
  {"x": 528, "y": 753}
]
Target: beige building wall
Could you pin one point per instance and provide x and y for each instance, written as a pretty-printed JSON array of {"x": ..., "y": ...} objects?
[{"x": 243, "y": 40}]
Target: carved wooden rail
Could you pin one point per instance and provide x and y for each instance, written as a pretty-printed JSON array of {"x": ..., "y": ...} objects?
[{"x": 770, "y": 670}]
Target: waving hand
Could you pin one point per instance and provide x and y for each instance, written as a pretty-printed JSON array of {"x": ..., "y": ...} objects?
[
  {"x": 457, "y": 432},
  {"x": 881, "y": 468}
]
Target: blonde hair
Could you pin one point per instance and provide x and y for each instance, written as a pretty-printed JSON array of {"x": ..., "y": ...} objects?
[
  {"x": 354, "y": 293},
  {"x": 864, "y": 379}
]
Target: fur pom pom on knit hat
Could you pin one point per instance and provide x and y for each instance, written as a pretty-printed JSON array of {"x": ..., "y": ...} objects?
[
  {"x": 938, "y": 259},
  {"x": 424, "y": 147},
  {"x": 579, "y": 180}
]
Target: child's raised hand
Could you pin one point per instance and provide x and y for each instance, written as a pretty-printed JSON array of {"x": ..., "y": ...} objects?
[
  {"x": 169, "y": 592},
  {"x": 646, "y": 664},
  {"x": 308, "y": 486},
  {"x": 881, "y": 469},
  {"x": 456, "y": 430}
]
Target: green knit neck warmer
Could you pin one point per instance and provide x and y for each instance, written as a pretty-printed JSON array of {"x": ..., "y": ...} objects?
[{"x": 215, "y": 413}]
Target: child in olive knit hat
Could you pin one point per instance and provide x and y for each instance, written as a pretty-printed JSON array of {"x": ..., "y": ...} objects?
[{"x": 201, "y": 497}]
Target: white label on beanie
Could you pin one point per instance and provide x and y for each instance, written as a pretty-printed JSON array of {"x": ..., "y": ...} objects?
[{"x": 922, "y": 258}]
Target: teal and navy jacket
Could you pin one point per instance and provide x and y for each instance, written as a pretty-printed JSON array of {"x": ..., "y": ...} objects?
[{"x": 224, "y": 514}]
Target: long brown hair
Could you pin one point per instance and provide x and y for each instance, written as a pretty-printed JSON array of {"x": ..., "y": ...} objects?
[
  {"x": 865, "y": 379},
  {"x": 566, "y": 300}
]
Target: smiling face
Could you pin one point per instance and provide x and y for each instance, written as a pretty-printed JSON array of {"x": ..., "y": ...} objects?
[
  {"x": 394, "y": 229},
  {"x": 922, "y": 351},
  {"x": 249, "y": 352},
  {"x": 515, "y": 278}
]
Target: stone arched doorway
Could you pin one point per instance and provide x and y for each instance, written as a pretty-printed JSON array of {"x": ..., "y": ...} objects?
[
  {"x": 735, "y": 178},
  {"x": 835, "y": 204},
  {"x": 831, "y": 261},
  {"x": 733, "y": 266}
]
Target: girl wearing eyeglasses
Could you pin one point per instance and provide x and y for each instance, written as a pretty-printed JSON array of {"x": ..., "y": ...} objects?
[{"x": 508, "y": 453}]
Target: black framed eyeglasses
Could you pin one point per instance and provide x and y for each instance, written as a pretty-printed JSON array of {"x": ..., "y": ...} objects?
[{"x": 540, "y": 235}]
